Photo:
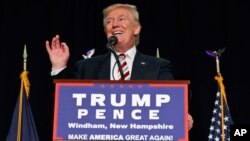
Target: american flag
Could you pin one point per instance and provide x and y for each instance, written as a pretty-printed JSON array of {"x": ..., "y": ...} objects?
[{"x": 221, "y": 119}]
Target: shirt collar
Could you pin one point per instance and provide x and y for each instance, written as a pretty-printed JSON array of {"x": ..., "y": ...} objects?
[{"x": 129, "y": 53}]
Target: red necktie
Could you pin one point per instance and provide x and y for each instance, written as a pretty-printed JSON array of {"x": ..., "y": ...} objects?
[{"x": 124, "y": 68}]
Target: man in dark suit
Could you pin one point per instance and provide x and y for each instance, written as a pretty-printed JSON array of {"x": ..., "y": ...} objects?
[
  {"x": 121, "y": 21},
  {"x": 144, "y": 68}
]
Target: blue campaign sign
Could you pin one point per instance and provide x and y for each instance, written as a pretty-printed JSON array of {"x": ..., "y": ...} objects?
[{"x": 103, "y": 110}]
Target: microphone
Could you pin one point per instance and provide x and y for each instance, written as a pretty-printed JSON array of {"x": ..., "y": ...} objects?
[{"x": 111, "y": 42}]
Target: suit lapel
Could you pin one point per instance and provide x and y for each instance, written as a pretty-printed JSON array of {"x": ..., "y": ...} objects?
[
  {"x": 139, "y": 66},
  {"x": 104, "y": 69}
]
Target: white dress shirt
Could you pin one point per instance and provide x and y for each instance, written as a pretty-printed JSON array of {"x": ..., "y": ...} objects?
[{"x": 130, "y": 56}]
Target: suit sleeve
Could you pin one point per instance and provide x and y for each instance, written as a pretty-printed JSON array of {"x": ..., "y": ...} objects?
[{"x": 165, "y": 72}]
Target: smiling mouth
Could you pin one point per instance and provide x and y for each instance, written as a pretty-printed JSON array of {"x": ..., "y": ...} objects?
[{"x": 117, "y": 33}]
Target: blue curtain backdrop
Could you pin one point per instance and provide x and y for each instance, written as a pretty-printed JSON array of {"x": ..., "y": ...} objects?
[{"x": 181, "y": 29}]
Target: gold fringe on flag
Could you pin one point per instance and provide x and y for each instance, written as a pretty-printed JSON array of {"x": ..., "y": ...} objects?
[
  {"x": 24, "y": 78},
  {"x": 223, "y": 99}
]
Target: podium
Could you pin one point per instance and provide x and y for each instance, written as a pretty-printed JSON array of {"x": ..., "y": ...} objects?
[{"x": 132, "y": 110}]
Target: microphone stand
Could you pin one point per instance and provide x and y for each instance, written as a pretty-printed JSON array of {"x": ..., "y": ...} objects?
[{"x": 109, "y": 47}]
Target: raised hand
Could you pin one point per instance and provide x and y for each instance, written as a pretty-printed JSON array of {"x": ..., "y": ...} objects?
[{"x": 58, "y": 53}]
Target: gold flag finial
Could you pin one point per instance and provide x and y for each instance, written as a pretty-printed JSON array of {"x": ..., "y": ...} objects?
[
  {"x": 25, "y": 55},
  {"x": 24, "y": 75}
]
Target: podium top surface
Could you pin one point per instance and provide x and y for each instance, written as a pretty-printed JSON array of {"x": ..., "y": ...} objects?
[{"x": 122, "y": 81}]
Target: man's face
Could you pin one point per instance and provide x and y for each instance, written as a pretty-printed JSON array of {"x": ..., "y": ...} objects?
[{"x": 120, "y": 22}]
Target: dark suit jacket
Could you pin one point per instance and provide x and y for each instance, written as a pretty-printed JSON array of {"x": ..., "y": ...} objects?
[{"x": 144, "y": 68}]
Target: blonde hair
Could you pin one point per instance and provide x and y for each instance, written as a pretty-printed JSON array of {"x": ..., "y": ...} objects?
[{"x": 129, "y": 7}]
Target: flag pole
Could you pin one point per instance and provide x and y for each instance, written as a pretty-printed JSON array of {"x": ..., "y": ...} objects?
[
  {"x": 217, "y": 64},
  {"x": 19, "y": 128},
  {"x": 221, "y": 98},
  {"x": 25, "y": 55},
  {"x": 219, "y": 79}
]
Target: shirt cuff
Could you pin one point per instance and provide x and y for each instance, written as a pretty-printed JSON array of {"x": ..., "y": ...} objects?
[{"x": 55, "y": 72}]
